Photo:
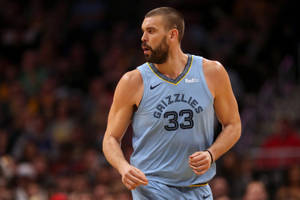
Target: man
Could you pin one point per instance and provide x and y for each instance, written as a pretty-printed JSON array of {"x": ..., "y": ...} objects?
[
  {"x": 255, "y": 191},
  {"x": 171, "y": 101}
]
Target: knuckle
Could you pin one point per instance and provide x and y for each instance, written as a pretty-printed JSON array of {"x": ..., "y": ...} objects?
[
  {"x": 130, "y": 186},
  {"x": 133, "y": 186}
]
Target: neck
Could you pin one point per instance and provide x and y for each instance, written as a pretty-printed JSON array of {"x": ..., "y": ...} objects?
[{"x": 174, "y": 65}]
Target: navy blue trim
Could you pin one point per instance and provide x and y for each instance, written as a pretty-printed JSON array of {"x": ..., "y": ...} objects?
[{"x": 175, "y": 81}]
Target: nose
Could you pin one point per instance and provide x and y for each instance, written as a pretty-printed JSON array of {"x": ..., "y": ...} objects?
[{"x": 144, "y": 37}]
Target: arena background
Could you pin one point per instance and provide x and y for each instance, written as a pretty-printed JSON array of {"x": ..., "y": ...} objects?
[{"x": 60, "y": 61}]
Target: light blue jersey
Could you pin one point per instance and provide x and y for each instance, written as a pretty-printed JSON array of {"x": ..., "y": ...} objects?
[{"x": 174, "y": 119}]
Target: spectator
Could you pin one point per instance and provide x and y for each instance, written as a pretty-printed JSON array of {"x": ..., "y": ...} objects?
[
  {"x": 278, "y": 148},
  {"x": 291, "y": 190},
  {"x": 220, "y": 188},
  {"x": 255, "y": 191}
]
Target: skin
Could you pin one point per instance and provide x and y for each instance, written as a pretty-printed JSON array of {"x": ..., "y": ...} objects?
[
  {"x": 129, "y": 92},
  {"x": 255, "y": 191}
]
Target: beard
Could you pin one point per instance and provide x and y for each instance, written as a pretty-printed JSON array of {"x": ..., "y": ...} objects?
[{"x": 158, "y": 55}]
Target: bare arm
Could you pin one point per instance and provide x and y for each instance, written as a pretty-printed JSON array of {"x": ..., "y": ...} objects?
[
  {"x": 226, "y": 109},
  {"x": 127, "y": 94}
]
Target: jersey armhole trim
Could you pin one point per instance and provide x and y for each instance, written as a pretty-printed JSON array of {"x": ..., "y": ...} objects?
[
  {"x": 208, "y": 92},
  {"x": 144, "y": 92}
]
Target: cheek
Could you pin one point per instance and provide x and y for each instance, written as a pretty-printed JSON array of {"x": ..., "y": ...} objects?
[{"x": 154, "y": 41}]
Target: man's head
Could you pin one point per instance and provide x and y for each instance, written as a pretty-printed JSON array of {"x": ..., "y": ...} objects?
[
  {"x": 256, "y": 191},
  {"x": 162, "y": 27}
]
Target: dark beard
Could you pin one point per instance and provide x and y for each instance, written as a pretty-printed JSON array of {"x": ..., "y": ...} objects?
[{"x": 160, "y": 54}]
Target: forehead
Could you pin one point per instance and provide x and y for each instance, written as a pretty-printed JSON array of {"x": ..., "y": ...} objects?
[{"x": 153, "y": 21}]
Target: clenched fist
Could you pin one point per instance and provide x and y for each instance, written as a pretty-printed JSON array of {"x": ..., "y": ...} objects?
[{"x": 200, "y": 162}]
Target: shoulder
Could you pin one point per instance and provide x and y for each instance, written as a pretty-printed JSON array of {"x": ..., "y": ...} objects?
[
  {"x": 130, "y": 86},
  {"x": 132, "y": 78},
  {"x": 212, "y": 67},
  {"x": 215, "y": 75}
]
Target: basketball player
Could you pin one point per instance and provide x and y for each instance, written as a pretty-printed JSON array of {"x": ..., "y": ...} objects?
[{"x": 171, "y": 100}]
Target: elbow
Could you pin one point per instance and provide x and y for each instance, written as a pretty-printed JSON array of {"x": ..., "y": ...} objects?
[
  {"x": 235, "y": 129},
  {"x": 105, "y": 143},
  {"x": 238, "y": 130},
  {"x": 108, "y": 142}
]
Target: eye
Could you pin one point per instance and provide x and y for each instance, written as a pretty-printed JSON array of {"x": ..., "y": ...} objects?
[{"x": 150, "y": 30}]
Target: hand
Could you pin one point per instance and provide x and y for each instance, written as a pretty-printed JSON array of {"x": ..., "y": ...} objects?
[
  {"x": 200, "y": 162},
  {"x": 132, "y": 177}
]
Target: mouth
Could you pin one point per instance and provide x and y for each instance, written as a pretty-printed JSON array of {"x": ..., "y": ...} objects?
[{"x": 146, "y": 49}]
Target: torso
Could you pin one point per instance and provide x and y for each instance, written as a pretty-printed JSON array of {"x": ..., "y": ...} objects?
[{"x": 174, "y": 119}]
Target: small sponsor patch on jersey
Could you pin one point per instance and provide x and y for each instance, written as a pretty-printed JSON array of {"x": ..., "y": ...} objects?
[{"x": 192, "y": 80}]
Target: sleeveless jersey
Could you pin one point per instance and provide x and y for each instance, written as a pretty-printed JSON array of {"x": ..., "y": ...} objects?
[{"x": 175, "y": 118}]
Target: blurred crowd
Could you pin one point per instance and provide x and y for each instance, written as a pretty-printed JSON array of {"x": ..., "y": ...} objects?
[{"x": 60, "y": 61}]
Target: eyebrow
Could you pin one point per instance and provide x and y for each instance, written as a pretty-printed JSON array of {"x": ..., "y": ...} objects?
[{"x": 150, "y": 27}]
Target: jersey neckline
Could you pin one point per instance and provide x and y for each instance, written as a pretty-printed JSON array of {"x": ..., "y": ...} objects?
[{"x": 170, "y": 80}]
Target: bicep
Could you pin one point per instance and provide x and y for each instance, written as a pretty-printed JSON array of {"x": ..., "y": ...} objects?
[
  {"x": 122, "y": 108},
  {"x": 225, "y": 104},
  {"x": 118, "y": 120}
]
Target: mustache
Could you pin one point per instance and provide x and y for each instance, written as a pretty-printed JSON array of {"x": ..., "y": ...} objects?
[{"x": 145, "y": 45}]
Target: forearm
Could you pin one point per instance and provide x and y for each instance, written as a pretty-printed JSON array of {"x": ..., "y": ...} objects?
[
  {"x": 113, "y": 152},
  {"x": 226, "y": 139}
]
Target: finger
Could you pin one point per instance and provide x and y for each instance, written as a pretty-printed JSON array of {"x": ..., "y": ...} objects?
[
  {"x": 200, "y": 160},
  {"x": 195, "y": 154},
  {"x": 129, "y": 184},
  {"x": 135, "y": 179},
  {"x": 198, "y": 157},
  {"x": 199, "y": 172},
  {"x": 199, "y": 168},
  {"x": 140, "y": 176},
  {"x": 204, "y": 161}
]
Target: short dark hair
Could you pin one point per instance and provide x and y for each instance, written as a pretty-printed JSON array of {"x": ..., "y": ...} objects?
[{"x": 174, "y": 19}]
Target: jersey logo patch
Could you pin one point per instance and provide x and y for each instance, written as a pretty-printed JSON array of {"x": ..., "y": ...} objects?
[
  {"x": 192, "y": 80},
  {"x": 152, "y": 87}
]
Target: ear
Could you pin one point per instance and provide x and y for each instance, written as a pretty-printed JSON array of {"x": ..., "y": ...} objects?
[{"x": 173, "y": 34}]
